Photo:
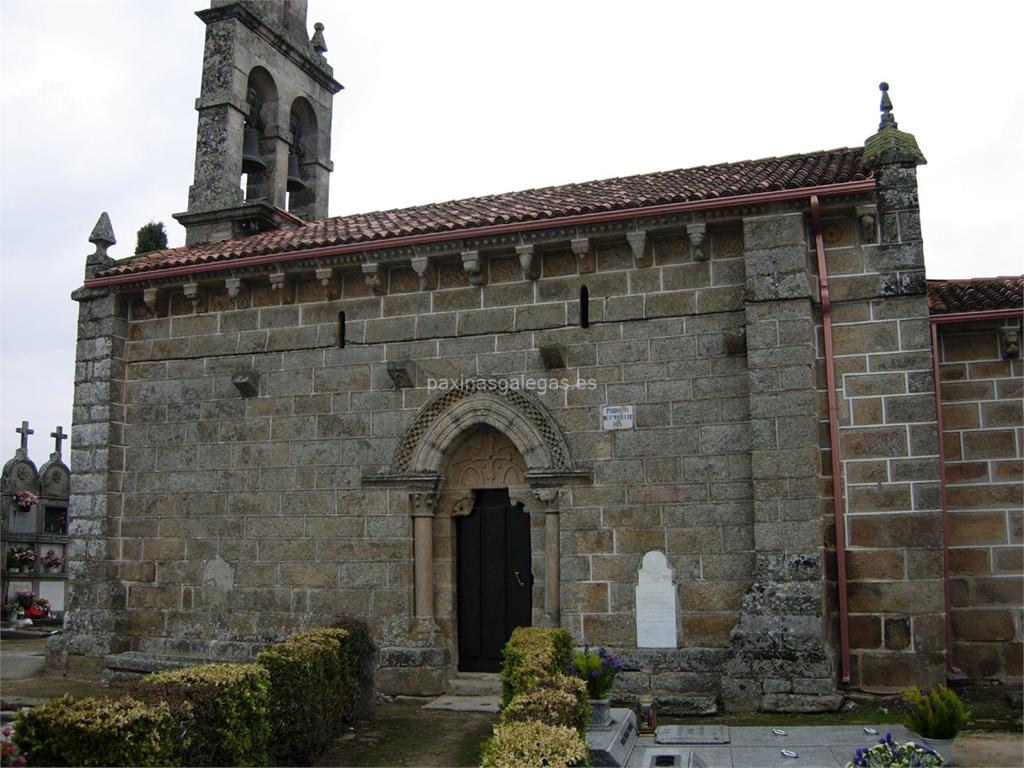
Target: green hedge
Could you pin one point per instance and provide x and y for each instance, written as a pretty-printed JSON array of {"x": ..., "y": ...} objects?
[
  {"x": 530, "y": 744},
  {"x": 224, "y": 709},
  {"x": 98, "y": 732},
  {"x": 312, "y": 685},
  {"x": 531, "y": 654},
  {"x": 556, "y": 700},
  {"x": 363, "y": 652}
]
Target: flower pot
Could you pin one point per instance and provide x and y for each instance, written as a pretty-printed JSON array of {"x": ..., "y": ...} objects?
[
  {"x": 12, "y": 616},
  {"x": 53, "y": 569},
  {"x": 943, "y": 747},
  {"x": 600, "y": 713}
]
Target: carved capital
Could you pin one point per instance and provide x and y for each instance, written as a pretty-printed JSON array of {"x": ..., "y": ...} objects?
[
  {"x": 233, "y": 286},
  {"x": 324, "y": 275},
  {"x": 528, "y": 261},
  {"x": 422, "y": 504},
  {"x": 696, "y": 233},
  {"x": 472, "y": 265},
  {"x": 151, "y": 296},
  {"x": 581, "y": 248},
  {"x": 277, "y": 280},
  {"x": 548, "y": 498}
]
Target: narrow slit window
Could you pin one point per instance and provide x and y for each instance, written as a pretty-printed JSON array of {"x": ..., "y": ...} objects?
[
  {"x": 584, "y": 307},
  {"x": 341, "y": 330}
]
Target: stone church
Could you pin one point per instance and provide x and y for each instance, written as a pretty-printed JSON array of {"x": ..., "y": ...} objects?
[{"x": 454, "y": 419}]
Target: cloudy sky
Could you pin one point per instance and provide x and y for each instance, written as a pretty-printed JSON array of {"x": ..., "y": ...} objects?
[{"x": 448, "y": 99}]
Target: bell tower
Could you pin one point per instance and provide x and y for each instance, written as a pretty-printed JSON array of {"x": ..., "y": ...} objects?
[{"x": 263, "y": 147}]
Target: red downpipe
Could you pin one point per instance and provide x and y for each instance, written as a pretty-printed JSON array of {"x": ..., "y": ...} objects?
[
  {"x": 936, "y": 321},
  {"x": 833, "y": 432}
]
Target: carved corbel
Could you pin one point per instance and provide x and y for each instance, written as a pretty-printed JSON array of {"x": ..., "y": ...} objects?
[
  {"x": 151, "y": 296},
  {"x": 374, "y": 278},
  {"x": 324, "y": 275},
  {"x": 462, "y": 505},
  {"x": 1011, "y": 343},
  {"x": 471, "y": 263},
  {"x": 419, "y": 266},
  {"x": 696, "y": 233},
  {"x": 233, "y": 286},
  {"x": 277, "y": 280},
  {"x": 402, "y": 373},
  {"x": 528, "y": 261},
  {"x": 191, "y": 291},
  {"x": 866, "y": 215},
  {"x": 581, "y": 248},
  {"x": 637, "y": 244}
]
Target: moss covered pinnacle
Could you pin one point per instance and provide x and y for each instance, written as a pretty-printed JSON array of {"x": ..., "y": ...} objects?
[{"x": 890, "y": 146}]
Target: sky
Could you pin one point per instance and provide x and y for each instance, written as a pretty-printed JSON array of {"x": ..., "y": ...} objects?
[{"x": 448, "y": 99}]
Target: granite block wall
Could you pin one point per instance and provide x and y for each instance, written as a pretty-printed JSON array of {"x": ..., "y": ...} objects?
[{"x": 982, "y": 422}]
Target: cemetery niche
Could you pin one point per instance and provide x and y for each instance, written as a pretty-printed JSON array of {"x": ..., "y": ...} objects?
[{"x": 34, "y": 532}]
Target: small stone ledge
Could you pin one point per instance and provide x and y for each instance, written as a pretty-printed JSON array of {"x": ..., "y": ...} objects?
[
  {"x": 131, "y": 665},
  {"x": 794, "y": 702}
]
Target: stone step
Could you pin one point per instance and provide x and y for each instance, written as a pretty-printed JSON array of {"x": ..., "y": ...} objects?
[
  {"x": 475, "y": 684},
  {"x": 131, "y": 665}
]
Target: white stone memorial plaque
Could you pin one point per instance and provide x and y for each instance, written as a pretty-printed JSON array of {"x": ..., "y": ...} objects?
[
  {"x": 616, "y": 417},
  {"x": 655, "y": 604}
]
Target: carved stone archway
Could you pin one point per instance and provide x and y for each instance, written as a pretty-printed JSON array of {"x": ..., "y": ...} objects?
[{"x": 439, "y": 465}]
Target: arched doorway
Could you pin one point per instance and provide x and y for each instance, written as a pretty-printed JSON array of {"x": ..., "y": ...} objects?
[{"x": 487, "y": 535}]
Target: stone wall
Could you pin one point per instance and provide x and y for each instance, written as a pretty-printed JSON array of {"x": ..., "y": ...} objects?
[
  {"x": 246, "y": 517},
  {"x": 981, "y": 411},
  {"x": 882, "y": 347}
]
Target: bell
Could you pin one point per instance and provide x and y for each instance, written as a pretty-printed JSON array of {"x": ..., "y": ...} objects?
[
  {"x": 251, "y": 160},
  {"x": 295, "y": 182}
]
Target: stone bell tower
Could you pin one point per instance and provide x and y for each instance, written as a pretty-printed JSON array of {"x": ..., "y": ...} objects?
[{"x": 265, "y": 114}]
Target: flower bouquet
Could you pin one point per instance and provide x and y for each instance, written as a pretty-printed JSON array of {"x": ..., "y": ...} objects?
[
  {"x": 25, "y": 499},
  {"x": 598, "y": 671},
  {"x": 20, "y": 556},
  {"x": 52, "y": 562},
  {"x": 888, "y": 754}
]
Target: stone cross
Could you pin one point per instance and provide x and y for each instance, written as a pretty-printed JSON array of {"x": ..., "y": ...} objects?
[
  {"x": 24, "y": 431},
  {"x": 59, "y": 437}
]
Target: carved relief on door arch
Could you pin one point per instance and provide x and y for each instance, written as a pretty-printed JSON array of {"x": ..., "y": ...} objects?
[{"x": 485, "y": 458}]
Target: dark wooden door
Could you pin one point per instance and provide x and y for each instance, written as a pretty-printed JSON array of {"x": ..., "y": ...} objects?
[{"x": 495, "y": 585}]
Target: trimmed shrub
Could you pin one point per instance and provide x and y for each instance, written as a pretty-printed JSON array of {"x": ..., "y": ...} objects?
[
  {"x": 938, "y": 714},
  {"x": 311, "y": 689},
  {"x": 556, "y": 700},
  {"x": 531, "y": 654},
  {"x": 363, "y": 652},
  {"x": 224, "y": 709},
  {"x": 97, "y": 732},
  {"x": 531, "y": 744}
]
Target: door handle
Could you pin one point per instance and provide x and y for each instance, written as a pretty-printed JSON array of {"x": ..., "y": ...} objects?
[{"x": 519, "y": 581}]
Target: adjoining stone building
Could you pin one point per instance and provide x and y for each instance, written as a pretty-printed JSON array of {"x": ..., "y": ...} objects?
[{"x": 455, "y": 418}]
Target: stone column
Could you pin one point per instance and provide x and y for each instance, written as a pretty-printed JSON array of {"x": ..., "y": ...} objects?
[
  {"x": 421, "y": 506},
  {"x": 94, "y": 623},
  {"x": 780, "y": 658},
  {"x": 553, "y": 554}
]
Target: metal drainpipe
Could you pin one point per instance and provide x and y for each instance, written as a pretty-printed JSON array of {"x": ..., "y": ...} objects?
[
  {"x": 833, "y": 431},
  {"x": 936, "y": 321}
]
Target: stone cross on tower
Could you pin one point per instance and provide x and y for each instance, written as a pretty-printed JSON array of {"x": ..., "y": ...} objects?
[
  {"x": 24, "y": 431},
  {"x": 59, "y": 437}
]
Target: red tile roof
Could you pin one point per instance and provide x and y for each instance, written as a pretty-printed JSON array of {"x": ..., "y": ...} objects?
[
  {"x": 694, "y": 184},
  {"x": 975, "y": 295}
]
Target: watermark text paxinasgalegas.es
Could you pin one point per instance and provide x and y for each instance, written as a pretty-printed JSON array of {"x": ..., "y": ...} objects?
[{"x": 520, "y": 383}]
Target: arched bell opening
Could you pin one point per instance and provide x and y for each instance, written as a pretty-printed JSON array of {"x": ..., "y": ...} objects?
[
  {"x": 303, "y": 154},
  {"x": 260, "y": 162}
]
